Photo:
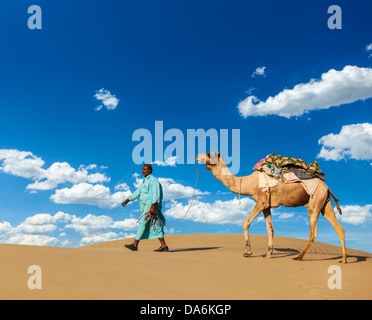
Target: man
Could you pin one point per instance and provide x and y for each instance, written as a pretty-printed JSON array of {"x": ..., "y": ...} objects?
[{"x": 151, "y": 196}]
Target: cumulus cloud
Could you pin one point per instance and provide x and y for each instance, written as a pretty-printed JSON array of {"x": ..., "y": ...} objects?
[
  {"x": 354, "y": 141},
  {"x": 22, "y": 164},
  {"x": 259, "y": 72},
  {"x": 108, "y": 100},
  {"x": 103, "y": 237},
  {"x": 218, "y": 212},
  {"x": 355, "y": 214},
  {"x": 170, "y": 162},
  {"x": 85, "y": 193},
  {"x": 62, "y": 172},
  {"x": 86, "y": 184},
  {"x": 42, "y": 223},
  {"x": 283, "y": 216},
  {"x": 335, "y": 88},
  {"x": 26, "y": 165},
  {"x": 100, "y": 228},
  {"x": 122, "y": 186},
  {"x": 91, "y": 224},
  {"x": 41, "y": 229},
  {"x": 369, "y": 48},
  {"x": 33, "y": 240},
  {"x": 34, "y": 230},
  {"x": 173, "y": 190}
]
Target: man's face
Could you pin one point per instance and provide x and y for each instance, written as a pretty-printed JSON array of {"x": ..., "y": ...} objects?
[{"x": 146, "y": 171}]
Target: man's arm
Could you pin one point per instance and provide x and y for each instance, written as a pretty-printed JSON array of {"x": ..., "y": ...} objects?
[
  {"x": 155, "y": 191},
  {"x": 133, "y": 196}
]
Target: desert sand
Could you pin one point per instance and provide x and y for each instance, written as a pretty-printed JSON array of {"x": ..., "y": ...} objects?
[{"x": 199, "y": 266}]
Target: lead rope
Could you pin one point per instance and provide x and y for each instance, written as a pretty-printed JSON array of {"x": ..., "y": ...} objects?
[{"x": 152, "y": 217}]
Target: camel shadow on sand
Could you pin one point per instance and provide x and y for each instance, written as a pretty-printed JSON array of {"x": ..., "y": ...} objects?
[{"x": 288, "y": 252}]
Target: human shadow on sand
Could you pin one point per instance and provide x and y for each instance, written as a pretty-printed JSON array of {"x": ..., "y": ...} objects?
[{"x": 194, "y": 249}]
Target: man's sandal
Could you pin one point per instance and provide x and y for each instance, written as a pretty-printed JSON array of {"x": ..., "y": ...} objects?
[
  {"x": 161, "y": 249},
  {"x": 131, "y": 247}
]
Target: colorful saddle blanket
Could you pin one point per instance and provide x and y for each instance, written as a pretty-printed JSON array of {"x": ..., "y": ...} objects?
[{"x": 276, "y": 165}]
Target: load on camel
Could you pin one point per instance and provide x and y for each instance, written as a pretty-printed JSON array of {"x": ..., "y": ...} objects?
[{"x": 272, "y": 186}]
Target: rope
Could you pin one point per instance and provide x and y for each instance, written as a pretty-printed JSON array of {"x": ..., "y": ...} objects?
[{"x": 151, "y": 217}]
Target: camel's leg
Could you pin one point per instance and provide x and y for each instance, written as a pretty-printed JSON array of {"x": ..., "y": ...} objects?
[
  {"x": 313, "y": 215},
  {"x": 247, "y": 222},
  {"x": 329, "y": 214},
  {"x": 270, "y": 232}
]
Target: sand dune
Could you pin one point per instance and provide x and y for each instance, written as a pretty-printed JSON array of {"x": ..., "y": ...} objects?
[{"x": 199, "y": 266}]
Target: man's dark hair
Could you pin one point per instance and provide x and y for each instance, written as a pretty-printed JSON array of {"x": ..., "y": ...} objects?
[{"x": 148, "y": 165}]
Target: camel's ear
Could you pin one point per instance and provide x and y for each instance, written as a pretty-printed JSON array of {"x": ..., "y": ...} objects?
[{"x": 215, "y": 157}]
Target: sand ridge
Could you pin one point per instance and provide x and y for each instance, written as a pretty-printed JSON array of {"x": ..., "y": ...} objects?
[{"x": 199, "y": 266}]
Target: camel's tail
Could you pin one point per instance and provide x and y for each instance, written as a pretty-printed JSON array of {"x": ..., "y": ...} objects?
[{"x": 336, "y": 200}]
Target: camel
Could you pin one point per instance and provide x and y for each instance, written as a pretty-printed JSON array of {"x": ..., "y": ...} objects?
[{"x": 284, "y": 194}]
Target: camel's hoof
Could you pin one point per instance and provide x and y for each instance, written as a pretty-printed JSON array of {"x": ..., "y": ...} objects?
[
  {"x": 247, "y": 254},
  {"x": 297, "y": 259},
  {"x": 268, "y": 256},
  {"x": 343, "y": 261}
]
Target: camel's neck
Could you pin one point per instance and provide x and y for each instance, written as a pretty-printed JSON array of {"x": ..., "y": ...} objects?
[{"x": 239, "y": 185}]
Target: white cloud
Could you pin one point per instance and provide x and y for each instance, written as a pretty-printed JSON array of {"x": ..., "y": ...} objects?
[
  {"x": 40, "y": 228},
  {"x": 170, "y": 162},
  {"x": 335, "y": 88},
  {"x": 99, "y": 228},
  {"x": 86, "y": 187},
  {"x": 219, "y": 212},
  {"x": 34, "y": 230},
  {"x": 354, "y": 141},
  {"x": 369, "y": 48},
  {"x": 22, "y": 164},
  {"x": 90, "y": 223},
  {"x": 122, "y": 186},
  {"x": 127, "y": 224},
  {"x": 355, "y": 214},
  {"x": 33, "y": 240},
  {"x": 173, "y": 190},
  {"x": 108, "y": 99},
  {"x": 103, "y": 237},
  {"x": 283, "y": 216},
  {"x": 259, "y": 72},
  {"x": 85, "y": 193},
  {"x": 27, "y": 165},
  {"x": 62, "y": 172},
  {"x": 42, "y": 223}
]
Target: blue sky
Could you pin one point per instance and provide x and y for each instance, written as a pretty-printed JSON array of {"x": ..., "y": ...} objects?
[{"x": 273, "y": 70}]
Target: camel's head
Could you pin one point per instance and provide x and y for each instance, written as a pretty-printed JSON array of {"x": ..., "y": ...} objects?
[{"x": 209, "y": 159}]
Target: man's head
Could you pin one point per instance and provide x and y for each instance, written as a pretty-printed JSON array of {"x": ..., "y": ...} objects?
[{"x": 146, "y": 169}]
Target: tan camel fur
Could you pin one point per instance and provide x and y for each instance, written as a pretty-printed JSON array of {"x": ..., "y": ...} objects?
[{"x": 285, "y": 194}]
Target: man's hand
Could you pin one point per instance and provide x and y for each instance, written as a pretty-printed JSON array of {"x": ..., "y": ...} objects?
[
  {"x": 124, "y": 203},
  {"x": 152, "y": 209}
]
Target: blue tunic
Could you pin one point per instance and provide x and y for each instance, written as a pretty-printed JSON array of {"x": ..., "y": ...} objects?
[{"x": 149, "y": 191}]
